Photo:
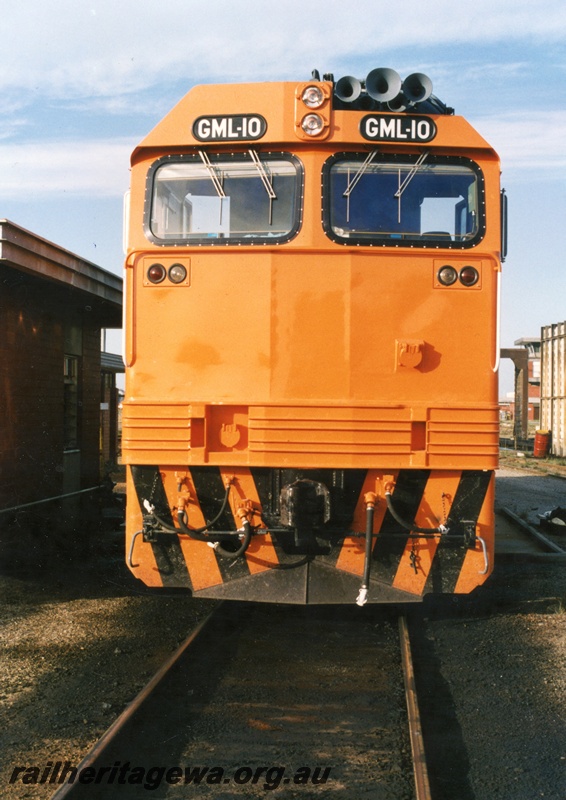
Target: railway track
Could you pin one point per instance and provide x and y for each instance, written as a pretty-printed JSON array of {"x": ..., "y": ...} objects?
[
  {"x": 516, "y": 536},
  {"x": 262, "y": 698}
]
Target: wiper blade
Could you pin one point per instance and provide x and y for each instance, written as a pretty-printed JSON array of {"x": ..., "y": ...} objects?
[
  {"x": 212, "y": 172},
  {"x": 266, "y": 180},
  {"x": 409, "y": 177},
  {"x": 354, "y": 182},
  {"x": 411, "y": 174}
]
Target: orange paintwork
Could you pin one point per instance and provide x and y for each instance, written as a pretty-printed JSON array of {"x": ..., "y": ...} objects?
[
  {"x": 434, "y": 509},
  {"x": 261, "y": 554},
  {"x": 473, "y": 568},
  {"x": 302, "y": 354}
]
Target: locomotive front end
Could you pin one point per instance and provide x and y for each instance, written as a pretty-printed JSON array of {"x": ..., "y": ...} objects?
[{"x": 312, "y": 285}]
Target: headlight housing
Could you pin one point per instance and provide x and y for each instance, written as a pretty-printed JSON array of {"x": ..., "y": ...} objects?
[
  {"x": 313, "y": 97},
  {"x": 312, "y": 124}
]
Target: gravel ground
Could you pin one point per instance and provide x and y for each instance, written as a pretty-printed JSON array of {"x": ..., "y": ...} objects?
[
  {"x": 79, "y": 643},
  {"x": 76, "y": 649}
]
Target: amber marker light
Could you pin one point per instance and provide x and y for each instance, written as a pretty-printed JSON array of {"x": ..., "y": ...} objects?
[{"x": 469, "y": 276}]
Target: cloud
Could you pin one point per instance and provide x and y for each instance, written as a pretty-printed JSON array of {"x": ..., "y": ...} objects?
[
  {"x": 527, "y": 142},
  {"x": 95, "y": 168},
  {"x": 73, "y": 49},
  {"x": 100, "y": 167}
]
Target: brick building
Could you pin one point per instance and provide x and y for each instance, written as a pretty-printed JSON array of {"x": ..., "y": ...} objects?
[
  {"x": 527, "y": 381},
  {"x": 110, "y": 414},
  {"x": 53, "y": 306},
  {"x": 532, "y": 344}
]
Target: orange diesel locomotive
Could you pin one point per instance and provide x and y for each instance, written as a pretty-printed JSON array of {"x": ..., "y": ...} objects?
[{"x": 311, "y": 344}]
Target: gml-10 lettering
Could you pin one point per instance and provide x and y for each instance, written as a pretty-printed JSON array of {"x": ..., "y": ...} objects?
[
  {"x": 229, "y": 128},
  {"x": 400, "y": 128}
]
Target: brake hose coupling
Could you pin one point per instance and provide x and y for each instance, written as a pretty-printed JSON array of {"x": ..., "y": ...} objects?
[
  {"x": 183, "y": 502},
  {"x": 181, "y": 478},
  {"x": 370, "y": 499},
  {"x": 245, "y": 511}
]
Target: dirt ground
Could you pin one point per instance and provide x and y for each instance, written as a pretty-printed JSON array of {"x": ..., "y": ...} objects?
[{"x": 79, "y": 640}]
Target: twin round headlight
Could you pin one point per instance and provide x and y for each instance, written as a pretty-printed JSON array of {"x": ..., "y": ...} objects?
[{"x": 313, "y": 97}]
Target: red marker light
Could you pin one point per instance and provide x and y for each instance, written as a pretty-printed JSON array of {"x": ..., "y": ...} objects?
[
  {"x": 156, "y": 273},
  {"x": 469, "y": 276}
]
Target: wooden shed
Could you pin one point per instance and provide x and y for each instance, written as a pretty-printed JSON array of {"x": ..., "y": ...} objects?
[{"x": 53, "y": 305}]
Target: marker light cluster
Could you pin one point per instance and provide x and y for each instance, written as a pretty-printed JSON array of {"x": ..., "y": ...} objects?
[
  {"x": 157, "y": 273},
  {"x": 448, "y": 275},
  {"x": 312, "y": 109}
]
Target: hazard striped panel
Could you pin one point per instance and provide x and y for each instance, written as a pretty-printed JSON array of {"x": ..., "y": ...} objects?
[{"x": 403, "y": 562}]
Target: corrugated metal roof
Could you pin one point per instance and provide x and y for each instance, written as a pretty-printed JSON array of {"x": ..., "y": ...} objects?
[{"x": 111, "y": 362}]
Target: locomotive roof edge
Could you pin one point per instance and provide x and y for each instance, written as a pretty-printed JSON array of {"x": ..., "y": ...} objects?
[{"x": 276, "y": 103}]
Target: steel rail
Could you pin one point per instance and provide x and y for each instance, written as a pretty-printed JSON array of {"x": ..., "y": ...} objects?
[
  {"x": 22, "y": 506},
  {"x": 540, "y": 538},
  {"x": 420, "y": 771},
  {"x": 119, "y": 723}
]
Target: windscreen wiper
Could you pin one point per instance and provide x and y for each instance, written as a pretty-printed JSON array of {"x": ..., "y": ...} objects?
[
  {"x": 408, "y": 178},
  {"x": 215, "y": 180},
  {"x": 266, "y": 180},
  {"x": 411, "y": 174},
  {"x": 212, "y": 172},
  {"x": 353, "y": 183}
]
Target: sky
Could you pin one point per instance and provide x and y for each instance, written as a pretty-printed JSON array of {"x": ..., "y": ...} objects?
[{"x": 83, "y": 81}]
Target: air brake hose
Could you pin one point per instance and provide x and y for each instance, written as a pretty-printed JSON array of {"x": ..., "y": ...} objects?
[
  {"x": 216, "y": 518},
  {"x": 198, "y": 534},
  {"x": 242, "y": 548},
  {"x": 370, "y": 499},
  {"x": 194, "y": 533},
  {"x": 408, "y": 525}
]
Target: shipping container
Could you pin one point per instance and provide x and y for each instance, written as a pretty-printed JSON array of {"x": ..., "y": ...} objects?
[{"x": 553, "y": 390}]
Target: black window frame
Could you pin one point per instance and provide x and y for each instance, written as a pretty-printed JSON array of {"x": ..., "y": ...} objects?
[
  {"x": 387, "y": 241},
  {"x": 205, "y": 241}
]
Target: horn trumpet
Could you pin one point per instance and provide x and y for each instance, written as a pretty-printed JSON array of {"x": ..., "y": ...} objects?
[
  {"x": 348, "y": 89},
  {"x": 383, "y": 84},
  {"x": 417, "y": 87}
]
